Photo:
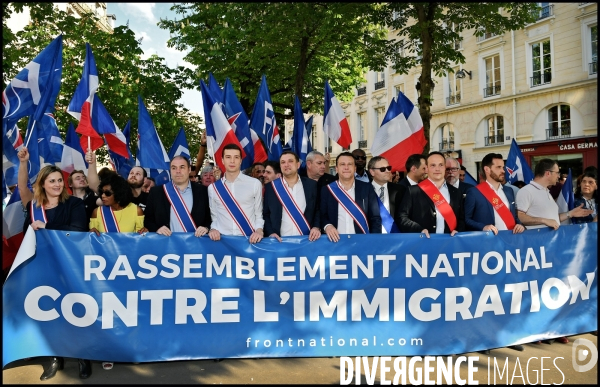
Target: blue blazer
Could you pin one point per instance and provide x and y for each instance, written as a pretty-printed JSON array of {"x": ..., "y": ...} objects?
[
  {"x": 273, "y": 210},
  {"x": 366, "y": 199},
  {"x": 479, "y": 211},
  {"x": 586, "y": 219}
]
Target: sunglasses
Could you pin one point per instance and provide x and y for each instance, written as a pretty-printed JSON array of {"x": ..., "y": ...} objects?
[
  {"x": 106, "y": 193},
  {"x": 383, "y": 169},
  {"x": 360, "y": 157}
]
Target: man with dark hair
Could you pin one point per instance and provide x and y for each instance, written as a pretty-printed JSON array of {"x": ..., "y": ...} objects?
[
  {"x": 258, "y": 170},
  {"x": 452, "y": 173},
  {"x": 432, "y": 206},
  {"x": 149, "y": 182},
  {"x": 348, "y": 206},
  {"x": 178, "y": 205},
  {"x": 416, "y": 170},
  {"x": 316, "y": 169},
  {"x": 193, "y": 174},
  {"x": 272, "y": 171},
  {"x": 387, "y": 192},
  {"x": 536, "y": 206},
  {"x": 235, "y": 200},
  {"x": 136, "y": 178},
  {"x": 462, "y": 174},
  {"x": 79, "y": 187},
  {"x": 298, "y": 196},
  {"x": 360, "y": 158}
]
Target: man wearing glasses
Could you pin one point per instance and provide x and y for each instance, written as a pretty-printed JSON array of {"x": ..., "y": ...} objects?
[
  {"x": 360, "y": 160},
  {"x": 536, "y": 205},
  {"x": 387, "y": 192},
  {"x": 452, "y": 176}
]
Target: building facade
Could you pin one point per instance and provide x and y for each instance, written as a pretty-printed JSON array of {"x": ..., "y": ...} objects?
[{"x": 537, "y": 85}]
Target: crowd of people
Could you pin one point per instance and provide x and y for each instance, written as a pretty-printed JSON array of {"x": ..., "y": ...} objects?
[{"x": 284, "y": 198}]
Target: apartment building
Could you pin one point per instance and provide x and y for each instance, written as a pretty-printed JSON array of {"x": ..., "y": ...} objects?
[{"x": 537, "y": 85}]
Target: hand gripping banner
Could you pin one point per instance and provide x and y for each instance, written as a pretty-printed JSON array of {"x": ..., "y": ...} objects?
[{"x": 132, "y": 298}]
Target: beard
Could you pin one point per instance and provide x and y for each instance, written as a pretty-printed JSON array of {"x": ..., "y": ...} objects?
[
  {"x": 135, "y": 185},
  {"x": 498, "y": 178}
]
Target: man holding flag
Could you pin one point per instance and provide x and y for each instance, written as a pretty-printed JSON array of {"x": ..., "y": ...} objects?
[{"x": 297, "y": 196}]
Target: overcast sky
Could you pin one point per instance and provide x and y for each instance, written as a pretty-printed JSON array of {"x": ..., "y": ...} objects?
[{"x": 143, "y": 18}]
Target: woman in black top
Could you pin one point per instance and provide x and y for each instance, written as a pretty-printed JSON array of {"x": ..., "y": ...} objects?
[{"x": 59, "y": 211}]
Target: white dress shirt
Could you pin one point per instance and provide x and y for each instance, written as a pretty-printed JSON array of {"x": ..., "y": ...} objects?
[
  {"x": 439, "y": 219},
  {"x": 247, "y": 191},
  {"x": 411, "y": 181},
  {"x": 385, "y": 200},
  {"x": 188, "y": 199},
  {"x": 498, "y": 222},
  {"x": 345, "y": 223},
  {"x": 288, "y": 227}
]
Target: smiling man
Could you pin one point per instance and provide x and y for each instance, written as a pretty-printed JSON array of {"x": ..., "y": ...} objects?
[
  {"x": 179, "y": 205},
  {"x": 235, "y": 200}
]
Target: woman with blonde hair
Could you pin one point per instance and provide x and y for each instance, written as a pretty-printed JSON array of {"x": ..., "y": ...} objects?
[{"x": 50, "y": 206}]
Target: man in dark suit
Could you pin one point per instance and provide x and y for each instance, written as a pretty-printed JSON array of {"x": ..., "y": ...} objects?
[
  {"x": 360, "y": 159},
  {"x": 452, "y": 176},
  {"x": 303, "y": 190},
  {"x": 380, "y": 169},
  {"x": 160, "y": 215},
  {"x": 334, "y": 218},
  {"x": 416, "y": 170},
  {"x": 480, "y": 214},
  {"x": 424, "y": 208}
]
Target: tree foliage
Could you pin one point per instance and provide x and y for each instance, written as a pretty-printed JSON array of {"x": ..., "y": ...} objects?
[
  {"x": 122, "y": 73},
  {"x": 428, "y": 33},
  {"x": 296, "y": 45}
]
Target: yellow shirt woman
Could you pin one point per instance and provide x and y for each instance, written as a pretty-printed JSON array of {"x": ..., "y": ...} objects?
[{"x": 127, "y": 219}]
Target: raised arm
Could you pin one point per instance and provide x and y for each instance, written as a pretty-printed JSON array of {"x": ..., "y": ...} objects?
[
  {"x": 23, "y": 176},
  {"x": 92, "y": 177}
]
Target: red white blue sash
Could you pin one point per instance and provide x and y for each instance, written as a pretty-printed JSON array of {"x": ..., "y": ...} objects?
[
  {"x": 234, "y": 209},
  {"x": 108, "y": 219},
  {"x": 37, "y": 213},
  {"x": 290, "y": 206},
  {"x": 181, "y": 211},
  {"x": 349, "y": 205}
]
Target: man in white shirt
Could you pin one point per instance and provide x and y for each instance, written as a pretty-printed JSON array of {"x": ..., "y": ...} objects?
[
  {"x": 246, "y": 194},
  {"x": 387, "y": 192},
  {"x": 536, "y": 205},
  {"x": 280, "y": 221}
]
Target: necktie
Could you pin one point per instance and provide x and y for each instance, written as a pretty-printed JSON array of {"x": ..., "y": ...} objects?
[{"x": 381, "y": 193}]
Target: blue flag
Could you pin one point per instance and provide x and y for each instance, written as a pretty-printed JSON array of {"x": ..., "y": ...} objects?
[
  {"x": 566, "y": 199},
  {"x": 10, "y": 160},
  {"x": 33, "y": 148},
  {"x": 51, "y": 143},
  {"x": 469, "y": 179},
  {"x": 180, "y": 146},
  {"x": 238, "y": 119},
  {"x": 122, "y": 165},
  {"x": 517, "y": 168},
  {"x": 151, "y": 152},
  {"x": 299, "y": 135},
  {"x": 309, "y": 124},
  {"x": 263, "y": 122},
  {"x": 215, "y": 89}
]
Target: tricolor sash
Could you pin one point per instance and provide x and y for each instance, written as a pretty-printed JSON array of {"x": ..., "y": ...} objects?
[
  {"x": 37, "y": 213},
  {"x": 440, "y": 203},
  {"x": 497, "y": 204},
  {"x": 387, "y": 221},
  {"x": 290, "y": 206},
  {"x": 349, "y": 205},
  {"x": 234, "y": 209},
  {"x": 181, "y": 211},
  {"x": 108, "y": 219}
]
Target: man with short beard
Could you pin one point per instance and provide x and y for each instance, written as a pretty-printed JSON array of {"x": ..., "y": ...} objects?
[
  {"x": 136, "y": 181},
  {"x": 452, "y": 176}
]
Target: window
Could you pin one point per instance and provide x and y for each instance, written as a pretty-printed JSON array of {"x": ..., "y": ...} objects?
[
  {"x": 313, "y": 136},
  {"x": 447, "y": 137},
  {"x": 544, "y": 12},
  {"x": 380, "y": 80},
  {"x": 397, "y": 89},
  {"x": 486, "y": 35},
  {"x": 492, "y": 76},
  {"x": 559, "y": 122},
  {"x": 327, "y": 148},
  {"x": 454, "y": 87},
  {"x": 594, "y": 50},
  {"x": 495, "y": 131},
  {"x": 379, "y": 115},
  {"x": 541, "y": 63},
  {"x": 362, "y": 130}
]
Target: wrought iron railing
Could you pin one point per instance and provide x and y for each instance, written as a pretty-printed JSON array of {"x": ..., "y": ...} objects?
[
  {"x": 594, "y": 68},
  {"x": 379, "y": 85},
  {"x": 447, "y": 144},
  {"x": 494, "y": 140},
  {"x": 490, "y": 91},
  {"x": 544, "y": 12},
  {"x": 361, "y": 90},
  {"x": 541, "y": 79},
  {"x": 486, "y": 36},
  {"x": 563, "y": 131},
  {"x": 453, "y": 99},
  {"x": 362, "y": 144}
]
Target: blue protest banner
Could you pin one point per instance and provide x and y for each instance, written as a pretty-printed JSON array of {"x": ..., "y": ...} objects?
[{"x": 133, "y": 298}]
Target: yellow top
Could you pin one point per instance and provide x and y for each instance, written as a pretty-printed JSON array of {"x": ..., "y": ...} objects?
[{"x": 127, "y": 219}]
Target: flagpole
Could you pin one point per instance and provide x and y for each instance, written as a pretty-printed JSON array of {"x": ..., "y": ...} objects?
[
  {"x": 30, "y": 133},
  {"x": 89, "y": 143}
]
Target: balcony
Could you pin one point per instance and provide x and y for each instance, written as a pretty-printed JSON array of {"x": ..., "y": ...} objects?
[
  {"x": 447, "y": 145},
  {"x": 555, "y": 132},
  {"x": 362, "y": 144},
  {"x": 541, "y": 79},
  {"x": 486, "y": 36},
  {"x": 490, "y": 91},
  {"x": 544, "y": 12},
  {"x": 379, "y": 85},
  {"x": 593, "y": 68},
  {"x": 494, "y": 140},
  {"x": 454, "y": 99},
  {"x": 361, "y": 90}
]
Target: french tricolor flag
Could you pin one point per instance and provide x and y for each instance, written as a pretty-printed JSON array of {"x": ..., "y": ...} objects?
[
  {"x": 401, "y": 133},
  {"x": 73, "y": 157},
  {"x": 13, "y": 218},
  {"x": 218, "y": 130},
  {"x": 335, "y": 124},
  {"x": 103, "y": 124},
  {"x": 82, "y": 103},
  {"x": 260, "y": 154}
]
